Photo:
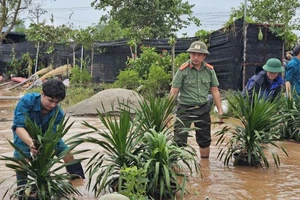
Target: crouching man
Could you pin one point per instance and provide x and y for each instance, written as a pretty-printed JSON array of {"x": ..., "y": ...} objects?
[{"x": 40, "y": 108}]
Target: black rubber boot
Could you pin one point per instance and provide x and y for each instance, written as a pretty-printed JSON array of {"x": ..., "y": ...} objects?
[{"x": 76, "y": 171}]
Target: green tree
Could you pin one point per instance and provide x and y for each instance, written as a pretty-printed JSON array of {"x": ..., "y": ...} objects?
[
  {"x": 272, "y": 12},
  {"x": 203, "y": 35},
  {"x": 108, "y": 31},
  {"x": 148, "y": 18},
  {"x": 85, "y": 39},
  {"x": 42, "y": 32},
  {"x": 47, "y": 36},
  {"x": 9, "y": 15},
  {"x": 20, "y": 28}
]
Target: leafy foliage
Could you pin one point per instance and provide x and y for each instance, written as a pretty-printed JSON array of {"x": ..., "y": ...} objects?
[
  {"x": 127, "y": 79},
  {"x": 135, "y": 183},
  {"x": 180, "y": 59},
  {"x": 80, "y": 76},
  {"x": 148, "y": 19},
  {"x": 148, "y": 58},
  {"x": 47, "y": 33},
  {"x": 16, "y": 65},
  {"x": 10, "y": 12},
  {"x": 163, "y": 160},
  {"x": 108, "y": 31},
  {"x": 155, "y": 113},
  {"x": 157, "y": 82},
  {"x": 151, "y": 70},
  {"x": 121, "y": 145},
  {"x": 203, "y": 35},
  {"x": 258, "y": 118},
  {"x": 44, "y": 169},
  {"x": 290, "y": 110},
  {"x": 133, "y": 142},
  {"x": 272, "y": 12}
]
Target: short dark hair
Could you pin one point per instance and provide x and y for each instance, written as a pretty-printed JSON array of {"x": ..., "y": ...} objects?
[
  {"x": 54, "y": 88},
  {"x": 296, "y": 50}
]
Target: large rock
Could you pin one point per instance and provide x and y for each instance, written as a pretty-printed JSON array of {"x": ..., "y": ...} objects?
[{"x": 105, "y": 101}]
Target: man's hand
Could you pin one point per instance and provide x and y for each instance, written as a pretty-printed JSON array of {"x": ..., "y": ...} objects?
[
  {"x": 33, "y": 149},
  {"x": 221, "y": 120}
]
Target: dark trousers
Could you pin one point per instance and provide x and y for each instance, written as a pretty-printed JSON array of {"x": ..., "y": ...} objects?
[{"x": 199, "y": 115}]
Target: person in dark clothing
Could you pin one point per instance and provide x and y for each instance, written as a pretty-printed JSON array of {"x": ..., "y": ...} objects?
[{"x": 268, "y": 81}]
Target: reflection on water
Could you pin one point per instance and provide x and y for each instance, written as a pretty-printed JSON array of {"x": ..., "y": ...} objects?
[{"x": 217, "y": 182}]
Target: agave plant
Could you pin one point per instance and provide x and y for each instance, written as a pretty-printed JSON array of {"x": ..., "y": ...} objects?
[
  {"x": 44, "y": 170},
  {"x": 162, "y": 158},
  {"x": 155, "y": 113},
  {"x": 250, "y": 138},
  {"x": 121, "y": 143},
  {"x": 128, "y": 142},
  {"x": 290, "y": 110}
]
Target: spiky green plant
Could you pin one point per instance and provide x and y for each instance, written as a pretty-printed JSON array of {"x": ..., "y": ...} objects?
[
  {"x": 164, "y": 161},
  {"x": 290, "y": 110},
  {"x": 155, "y": 113},
  {"x": 120, "y": 141},
  {"x": 44, "y": 170},
  {"x": 257, "y": 117},
  {"x": 133, "y": 141}
]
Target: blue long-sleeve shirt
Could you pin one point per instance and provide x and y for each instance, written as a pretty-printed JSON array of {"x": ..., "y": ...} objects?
[
  {"x": 292, "y": 74},
  {"x": 30, "y": 104}
]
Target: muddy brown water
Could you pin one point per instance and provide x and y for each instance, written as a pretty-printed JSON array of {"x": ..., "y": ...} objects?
[{"x": 217, "y": 181}]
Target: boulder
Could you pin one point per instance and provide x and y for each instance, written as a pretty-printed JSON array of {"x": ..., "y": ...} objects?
[{"x": 105, "y": 101}]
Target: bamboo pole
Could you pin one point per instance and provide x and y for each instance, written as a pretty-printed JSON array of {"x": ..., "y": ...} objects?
[{"x": 10, "y": 97}]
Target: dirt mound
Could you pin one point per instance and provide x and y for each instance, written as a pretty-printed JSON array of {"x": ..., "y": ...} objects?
[{"x": 104, "y": 101}]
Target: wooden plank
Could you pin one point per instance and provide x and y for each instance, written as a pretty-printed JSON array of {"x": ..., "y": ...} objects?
[
  {"x": 10, "y": 97},
  {"x": 6, "y": 83}
]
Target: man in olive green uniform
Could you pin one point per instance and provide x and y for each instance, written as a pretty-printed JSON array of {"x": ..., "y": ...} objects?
[{"x": 192, "y": 83}]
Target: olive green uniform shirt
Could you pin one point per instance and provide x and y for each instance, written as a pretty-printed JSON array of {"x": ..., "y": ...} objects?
[{"x": 194, "y": 85}]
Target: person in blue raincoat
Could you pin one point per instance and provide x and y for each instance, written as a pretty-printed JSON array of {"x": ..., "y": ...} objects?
[
  {"x": 268, "y": 81},
  {"x": 292, "y": 74}
]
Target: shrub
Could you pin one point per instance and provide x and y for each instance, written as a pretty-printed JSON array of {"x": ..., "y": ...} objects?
[
  {"x": 180, "y": 59},
  {"x": 147, "y": 58},
  {"x": 127, "y": 79},
  {"x": 157, "y": 82},
  {"x": 80, "y": 76}
]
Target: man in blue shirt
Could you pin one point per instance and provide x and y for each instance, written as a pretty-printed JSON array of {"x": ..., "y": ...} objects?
[
  {"x": 292, "y": 75},
  {"x": 40, "y": 108},
  {"x": 268, "y": 81}
]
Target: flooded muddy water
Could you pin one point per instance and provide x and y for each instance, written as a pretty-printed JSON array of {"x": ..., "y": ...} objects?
[{"x": 217, "y": 181}]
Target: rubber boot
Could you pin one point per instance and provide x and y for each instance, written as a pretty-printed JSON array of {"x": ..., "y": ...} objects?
[{"x": 76, "y": 171}]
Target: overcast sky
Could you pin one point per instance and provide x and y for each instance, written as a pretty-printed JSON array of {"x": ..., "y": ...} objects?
[{"x": 212, "y": 13}]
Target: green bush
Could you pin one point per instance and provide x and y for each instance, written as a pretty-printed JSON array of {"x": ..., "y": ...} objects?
[
  {"x": 180, "y": 59},
  {"x": 127, "y": 79},
  {"x": 76, "y": 94},
  {"x": 147, "y": 58},
  {"x": 135, "y": 183},
  {"x": 80, "y": 76},
  {"x": 157, "y": 82}
]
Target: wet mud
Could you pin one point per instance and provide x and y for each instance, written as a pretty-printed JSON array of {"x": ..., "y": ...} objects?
[{"x": 217, "y": 181}]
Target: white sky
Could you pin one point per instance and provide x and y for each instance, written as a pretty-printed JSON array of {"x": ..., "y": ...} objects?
[{"x": 78, "y": 13}]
